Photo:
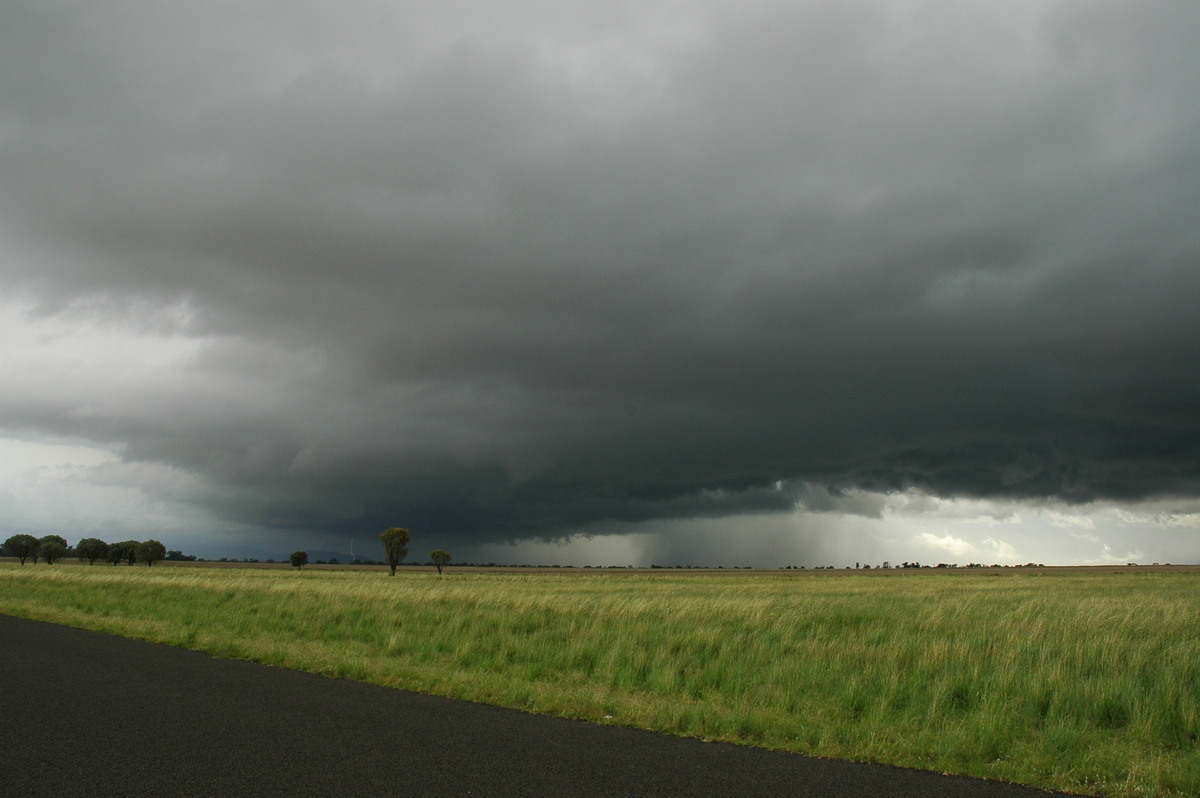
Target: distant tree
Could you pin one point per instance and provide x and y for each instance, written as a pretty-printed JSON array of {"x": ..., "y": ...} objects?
[
  {"x": 125, "y": 551},
  {"x": 150, "y": 552},
  {"x": 37, "y": 551},
  {"x": 51, "y": 551},
  {"x": 440, "y": 558},
  {"x": 299, "y": 559},
  {"x": 91, "y": 549},
  {"x": 395, "y": 546},
  {"x": 21, "y": 547},
  {"x": 117, "y": 552}
]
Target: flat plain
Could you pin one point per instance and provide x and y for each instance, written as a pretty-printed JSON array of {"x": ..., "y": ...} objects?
[{"x": 1083, "y": 680}]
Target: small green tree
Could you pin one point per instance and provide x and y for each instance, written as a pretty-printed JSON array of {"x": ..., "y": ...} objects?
[
  {"x": 59, "y": 539},
  {"x": 91, "y": 549},
  {"x": 51, "y": 551},
  {"x": 299, "y": 559},
  {"x": 150, "y": 552},
  {"x": 439, "y": 558},
  {"x": 21, "y": 547},
  {"x": 43, "y": 548},
  {"x": 395, "y": 546}
]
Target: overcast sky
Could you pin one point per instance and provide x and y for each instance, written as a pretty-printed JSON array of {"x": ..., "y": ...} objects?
[{"x": 760, "y": 282}]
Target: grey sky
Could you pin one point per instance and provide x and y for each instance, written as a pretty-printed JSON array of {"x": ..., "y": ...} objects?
[{"x": 507, "y": 271}]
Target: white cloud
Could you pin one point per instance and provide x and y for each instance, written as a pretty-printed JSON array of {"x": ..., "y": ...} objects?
[
  {"x": 1001, "y": 552},
  {"x": 1183, "y": 520},
  {"x": 83, "y": 364},
  {"x": 1071, "y": 521},
  {"x": 78, "y": 490},
  {"x": 1106, "y": 557},
  {"x": 956, "y": 546},
  {"x": 40, "y": 460}
]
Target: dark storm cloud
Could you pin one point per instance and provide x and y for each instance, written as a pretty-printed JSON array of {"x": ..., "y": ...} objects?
[{"x": 512, "y": 274}]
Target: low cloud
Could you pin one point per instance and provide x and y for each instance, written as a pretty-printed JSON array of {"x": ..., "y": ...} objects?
[
  {"x": 948, "y": 543},
  {"x": 1166, "y": 520},
  {"x": 1107, "y": 557},
  {"x": 999, "y": 552},
  {"x": 507, "y": 276},
  {"x": 1069, "y": 521}
]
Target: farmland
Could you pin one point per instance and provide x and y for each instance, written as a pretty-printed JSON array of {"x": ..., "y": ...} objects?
[{"x": 1077, "y": 679}]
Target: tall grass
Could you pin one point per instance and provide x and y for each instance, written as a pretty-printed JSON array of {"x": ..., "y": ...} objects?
[{"x": 1088, "y": 683}]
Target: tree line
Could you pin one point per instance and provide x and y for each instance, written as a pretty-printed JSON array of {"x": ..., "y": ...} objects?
[{"x": 52, "y": 548}]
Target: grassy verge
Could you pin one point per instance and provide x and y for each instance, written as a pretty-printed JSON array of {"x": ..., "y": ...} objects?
[{"x": 1087, "y": 683}]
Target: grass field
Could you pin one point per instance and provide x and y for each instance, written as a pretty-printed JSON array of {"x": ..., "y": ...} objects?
[{"x": 1074, "y": 680}]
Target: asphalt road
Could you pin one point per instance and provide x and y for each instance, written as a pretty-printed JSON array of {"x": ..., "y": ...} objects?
[{"x": 86, "y": 714}]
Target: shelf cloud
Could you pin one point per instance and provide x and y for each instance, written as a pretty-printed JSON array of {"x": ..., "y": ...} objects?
[{"x": 504, "y": 272}]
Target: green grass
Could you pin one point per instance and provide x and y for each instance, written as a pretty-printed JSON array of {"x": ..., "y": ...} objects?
[{"x": 1085, "y": 683}]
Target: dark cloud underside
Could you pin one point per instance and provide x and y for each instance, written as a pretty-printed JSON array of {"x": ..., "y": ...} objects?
[{"x": 512, "y": 274}]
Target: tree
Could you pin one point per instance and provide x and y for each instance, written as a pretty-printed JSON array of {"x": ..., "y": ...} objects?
[
  {"x": 150, "y": 552},
  {"x": 299, "y": 559},
  {"x": 51, "y": 550},
  {"x": 395, "y": 546},
  {"x": 118, "y": 552},
  {"x": 91, "y": 549},
  {"x": 440, "y": 558},
  {"x": 44, "y": 549},
  {"x": 21, "y": 546},
  {"x": 125, "y": 550}
]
